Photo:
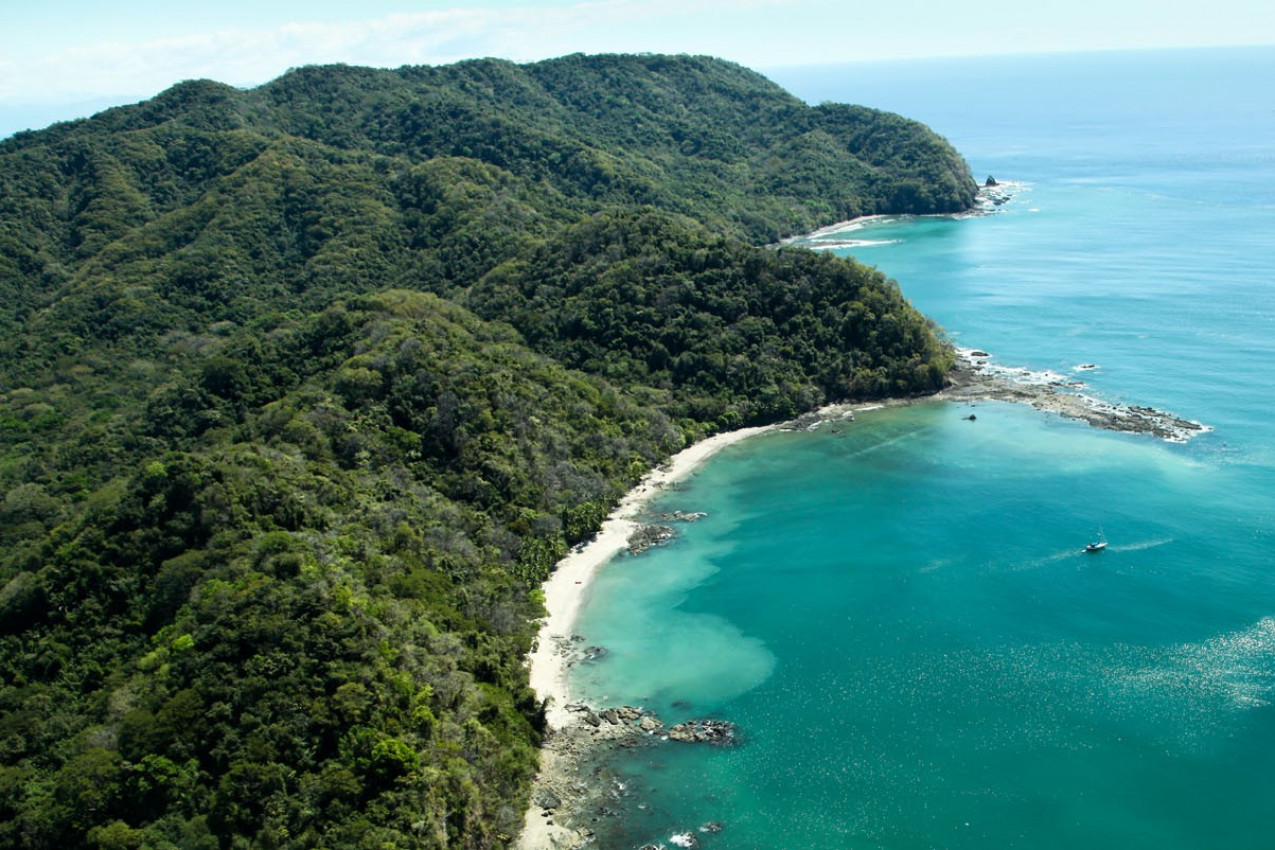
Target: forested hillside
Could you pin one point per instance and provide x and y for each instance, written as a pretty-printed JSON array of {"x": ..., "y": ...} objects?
[{"x": 304, "y": 390}]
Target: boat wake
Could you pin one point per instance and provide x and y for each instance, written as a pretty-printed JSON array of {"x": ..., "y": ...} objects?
[
  {"x": 1046, "y": 560},
  {"x": 1139, "y": 547},
  {"x": 1080, "y": 551}
]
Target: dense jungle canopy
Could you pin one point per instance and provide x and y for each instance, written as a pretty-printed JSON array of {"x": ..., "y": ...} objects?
[{"x": 304, "y": 389}]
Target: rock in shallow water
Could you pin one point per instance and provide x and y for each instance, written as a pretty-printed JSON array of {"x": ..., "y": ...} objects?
[
  {"x": 650, "y": 723},
  {"x": 649, "y": 535},
  {"x": 720, "y": 732}
]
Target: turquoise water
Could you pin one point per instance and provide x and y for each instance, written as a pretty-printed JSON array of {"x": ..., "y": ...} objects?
[{"x": 896, "y": 611}]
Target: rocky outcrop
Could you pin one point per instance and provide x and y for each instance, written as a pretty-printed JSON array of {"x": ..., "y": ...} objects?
[
  {"x": 574, "y": 796},
  {"x": 993, "y": 195},
  {"x": 648, "y": 536},
  {"x": 650, "y": 723},
  {"x": 682, "y": 516},
  {"x": 719, "y": 732},
  {"x": 977, "y": 378}
]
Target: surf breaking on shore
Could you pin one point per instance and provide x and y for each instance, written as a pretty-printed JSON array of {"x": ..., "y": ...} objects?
[{"x": 571, "y": 738}]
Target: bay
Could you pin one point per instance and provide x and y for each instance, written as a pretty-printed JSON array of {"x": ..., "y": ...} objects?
[{"x": 896, "y": 610}]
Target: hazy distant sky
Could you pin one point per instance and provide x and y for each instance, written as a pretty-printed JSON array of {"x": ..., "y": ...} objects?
[{"x": 65, "y": 58}]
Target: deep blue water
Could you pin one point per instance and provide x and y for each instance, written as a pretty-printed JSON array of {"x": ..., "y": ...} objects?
[{"x": 896, "y": 610}]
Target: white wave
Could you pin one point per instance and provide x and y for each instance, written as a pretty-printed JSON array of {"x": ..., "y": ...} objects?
[
  {"x": 838, "y": 228},
  {"x": 1185, "y": 436},
  {"x": 845, "y": 226},
  {"x": 1030, "y": 377},
  {"x": 850, "y": 243}
]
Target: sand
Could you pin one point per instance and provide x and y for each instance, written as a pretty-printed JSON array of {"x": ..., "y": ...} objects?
[
  {"x": 566, "y": 588},
  {"x": 565, "y": 592}
]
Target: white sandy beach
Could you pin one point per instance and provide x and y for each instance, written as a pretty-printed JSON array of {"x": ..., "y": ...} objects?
[
  {"x": 566, "y": 588},
  {"x": 564, "y": 595}
]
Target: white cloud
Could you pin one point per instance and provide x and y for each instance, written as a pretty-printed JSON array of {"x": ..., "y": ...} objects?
[
  {"x": 760, "y": 33},
  {"x": 248, "y": 56}
]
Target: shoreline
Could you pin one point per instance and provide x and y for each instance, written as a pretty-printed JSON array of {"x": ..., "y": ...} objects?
[
  {"x": 558, "y": 789},
  {"x": 551, "y": 659},
  {"x": 567, "y": 587},
  {"x": 986, "y": 202}
]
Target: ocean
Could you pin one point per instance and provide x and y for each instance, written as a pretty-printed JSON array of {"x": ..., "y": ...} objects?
[{"x": 896, "y": 611}]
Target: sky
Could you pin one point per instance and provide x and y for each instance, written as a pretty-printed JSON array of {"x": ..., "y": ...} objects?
[{"x": 63, "y": 59}]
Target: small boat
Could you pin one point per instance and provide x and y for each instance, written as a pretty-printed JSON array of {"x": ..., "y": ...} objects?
[{"x": 1099, "y": 543}]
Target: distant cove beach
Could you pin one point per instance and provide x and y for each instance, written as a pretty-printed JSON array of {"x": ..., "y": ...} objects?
[{"x": 575, "y": 731}]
